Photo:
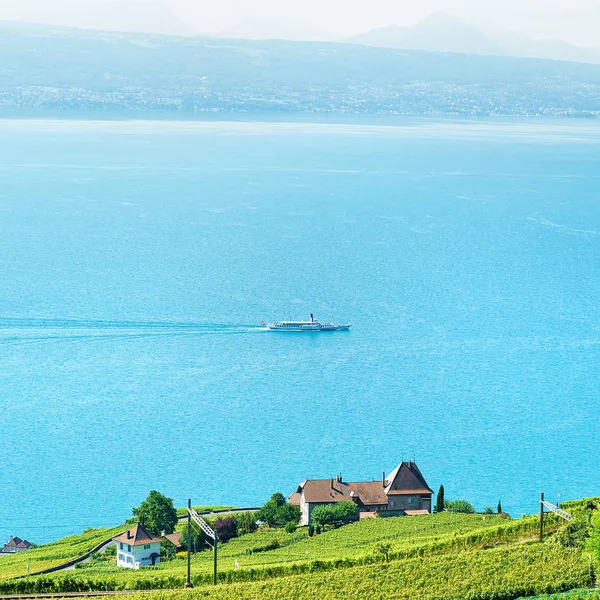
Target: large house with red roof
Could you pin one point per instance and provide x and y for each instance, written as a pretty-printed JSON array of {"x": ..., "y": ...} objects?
[
  {"x": 16, "y": 544},
  {"x": 403, "y": 492}
]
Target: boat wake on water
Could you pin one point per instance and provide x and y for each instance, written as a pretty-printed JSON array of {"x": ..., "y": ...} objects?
[{"x": 52, "y": 329}]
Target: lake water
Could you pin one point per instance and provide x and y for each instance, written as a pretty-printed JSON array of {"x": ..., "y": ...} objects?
[{"x": 137, "y": 260}]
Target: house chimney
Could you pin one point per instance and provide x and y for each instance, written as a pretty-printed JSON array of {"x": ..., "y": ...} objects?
[
  {"x": 331, "y": 483},
  {"x": 383, "y": 478},
  {"x": 129, "y": 536}
]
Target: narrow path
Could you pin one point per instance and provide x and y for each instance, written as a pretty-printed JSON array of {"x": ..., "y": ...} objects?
[{"x": 222, "y": 512}]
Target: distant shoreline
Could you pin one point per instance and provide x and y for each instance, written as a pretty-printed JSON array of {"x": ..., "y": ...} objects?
[{"x": 332, "y": 118}]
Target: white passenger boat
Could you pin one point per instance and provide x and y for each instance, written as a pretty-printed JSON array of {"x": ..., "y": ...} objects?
[{"x": 312, "y": 325}]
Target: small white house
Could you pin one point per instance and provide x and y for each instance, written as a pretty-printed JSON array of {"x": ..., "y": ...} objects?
[{"x": 137, "y": 548}]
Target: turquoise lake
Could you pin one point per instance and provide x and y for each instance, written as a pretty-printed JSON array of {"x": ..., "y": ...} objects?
[{"x": 137, "y": 260}]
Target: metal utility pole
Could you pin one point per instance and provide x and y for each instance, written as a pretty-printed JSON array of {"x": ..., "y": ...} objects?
[
  {"x": 215, "y": 560},
  {"x": 210, "y": 533},
  {"x": 188, "y": 583},
  {"x": 542, "y": 517}
]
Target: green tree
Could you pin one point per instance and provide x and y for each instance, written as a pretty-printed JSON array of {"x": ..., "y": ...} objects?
[
  {"x": 499, "y": 507},
  {"x": 439, "y": 502},
  {"x": 488, "y": 510},
  {"x": 278, "y": 499},
  {"x": 246, "y": 522},
  {"x": 335, "y": 515},
  {"x": 157, "y": 513},
  {"x": 277, "y": 512},
  {"x": 459, "y": 506}
]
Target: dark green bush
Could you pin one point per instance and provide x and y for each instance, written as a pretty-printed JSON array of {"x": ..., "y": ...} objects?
[
  {"x": 459, "y": 506},
  {"x": 290, "y": 527}
]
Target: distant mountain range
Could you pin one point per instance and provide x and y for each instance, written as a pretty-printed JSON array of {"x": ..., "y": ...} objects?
[
  {"x": 54, "y": 70},
  {"x": 442, "y": 32}
]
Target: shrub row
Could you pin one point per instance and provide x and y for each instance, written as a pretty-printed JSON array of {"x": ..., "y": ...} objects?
[{"x": 499, "y": 574}]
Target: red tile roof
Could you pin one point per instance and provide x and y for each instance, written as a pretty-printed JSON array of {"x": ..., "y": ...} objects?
[
  {"x": 324, "y": 490},
  {"x": 138, "y": 535},
  {"x": 174, "y": 538},
  {"x": 369, "y": 492}
]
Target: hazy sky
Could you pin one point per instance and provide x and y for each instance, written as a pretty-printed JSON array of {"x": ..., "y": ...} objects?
[{"x": 575, "y": 20}]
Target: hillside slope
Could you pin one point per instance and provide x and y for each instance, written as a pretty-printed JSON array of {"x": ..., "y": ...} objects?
[
  {"x": 353, "y": 556},
  {"x": 430, "y": 557}
]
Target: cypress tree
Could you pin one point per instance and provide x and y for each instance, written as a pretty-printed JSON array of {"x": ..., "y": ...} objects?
[
  {"x": 499, "y": 507},
  {"x": 439, "y": 503}
]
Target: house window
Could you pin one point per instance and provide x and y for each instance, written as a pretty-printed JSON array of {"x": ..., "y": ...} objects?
[
  {"x": 146, "y": 546},
  {"x": 128, "y": 548},
  {"x": 410, "y": 500},
  {"x": 120, "y": 545},
  {"x": 121, "y": 557}
]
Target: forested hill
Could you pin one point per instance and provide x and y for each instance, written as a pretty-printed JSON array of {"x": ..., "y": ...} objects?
[{"x": 68, "y": 69}]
